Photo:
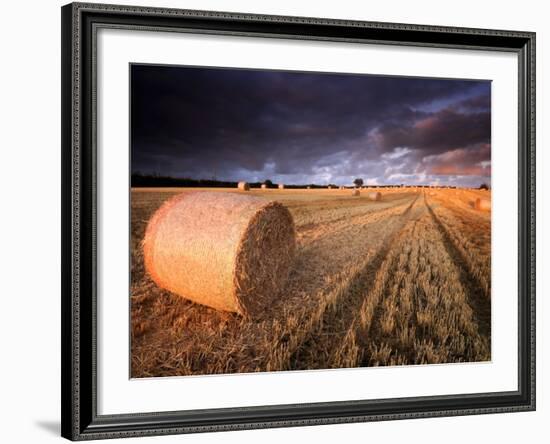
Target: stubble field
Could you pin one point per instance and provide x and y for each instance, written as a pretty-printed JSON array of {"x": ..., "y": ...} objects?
[{"x": 405, "y": 280}]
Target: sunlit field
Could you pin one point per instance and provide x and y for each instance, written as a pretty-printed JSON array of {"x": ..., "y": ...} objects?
[{"x": 401, "y": 281}]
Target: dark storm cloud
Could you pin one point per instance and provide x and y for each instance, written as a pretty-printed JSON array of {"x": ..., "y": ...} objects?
[
  {"x": 442, "y": 130},
  {"x": 303, "y": 127}
]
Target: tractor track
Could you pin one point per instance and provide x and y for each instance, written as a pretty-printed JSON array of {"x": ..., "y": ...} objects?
[
  {"x": 336, "y": 320},
  {"x": 477, "y": 299}
]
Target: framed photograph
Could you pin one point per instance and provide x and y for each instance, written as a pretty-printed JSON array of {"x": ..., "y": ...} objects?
[{"x": 281, "y": 221}]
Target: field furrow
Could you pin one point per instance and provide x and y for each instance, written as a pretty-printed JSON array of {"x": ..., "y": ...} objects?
[
  {"x": 469, "y": 238},
  {"x": 472, "y": 277},
  {"x": 335, "y": 321},
  {"x": 418, "y": 310},
  {"x": 308, "y": 216},
  {"x": 373, "y": 283}
]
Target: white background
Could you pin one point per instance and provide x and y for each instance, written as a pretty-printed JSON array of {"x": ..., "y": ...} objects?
[{"x": 30, "y": 233}]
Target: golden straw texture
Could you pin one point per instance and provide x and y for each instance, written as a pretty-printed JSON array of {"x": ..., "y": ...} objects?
[{"x": 228, "y": 251}]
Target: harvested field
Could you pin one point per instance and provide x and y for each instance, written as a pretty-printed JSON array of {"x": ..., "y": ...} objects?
[{"x": 400, "y": 281}]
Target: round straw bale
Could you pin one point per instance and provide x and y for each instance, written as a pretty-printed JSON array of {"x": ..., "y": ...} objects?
[
  {"x": 244, "y": 186},
  {"x": 281, "y": 186},
  {"x": 355, "y": 192},
  {"x": 264, "y": 186},
  {"x": 483, "y": 204},
  {"x": 228, "y": 251},
  {"x": 375, "y": 195}
]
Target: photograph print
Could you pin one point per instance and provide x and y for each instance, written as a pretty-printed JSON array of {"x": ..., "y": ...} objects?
[{"x": 286, "y": 220}]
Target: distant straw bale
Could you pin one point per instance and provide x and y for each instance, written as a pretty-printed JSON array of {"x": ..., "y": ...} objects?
[
  {"x": 264, "y": 186},
  {"x": 281, "y": 186},
  {"x": 244, "y": 186},
  {"x": 375, "y": 195},
  {"x": 228, "y": 251},
  {"x": 483, "y": 204},
  {"x": 355, "y": 192}
]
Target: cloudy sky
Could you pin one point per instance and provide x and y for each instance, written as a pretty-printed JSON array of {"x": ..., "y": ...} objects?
[{"x": 300, "y": 128}]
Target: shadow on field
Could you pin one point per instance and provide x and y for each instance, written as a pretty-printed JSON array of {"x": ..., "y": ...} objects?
[
  {"x": 336, "y": 319},
  {"x": 479, "y": 301}
]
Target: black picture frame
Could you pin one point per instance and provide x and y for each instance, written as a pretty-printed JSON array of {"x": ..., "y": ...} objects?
[{"x": 78, "y": 332}]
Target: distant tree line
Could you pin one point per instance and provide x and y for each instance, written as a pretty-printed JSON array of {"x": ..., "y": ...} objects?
[
  {"x": 150, "y": 180},
  {"x": 154, "y": 180}
]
